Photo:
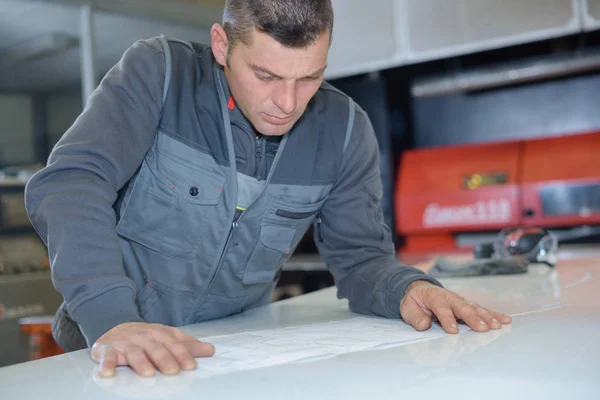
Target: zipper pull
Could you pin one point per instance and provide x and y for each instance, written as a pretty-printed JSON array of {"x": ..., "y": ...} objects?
[
  {"x": 320, "y": 227},
  {"x": 238, "y": 213},
  {"x": 235, "y": 230}
]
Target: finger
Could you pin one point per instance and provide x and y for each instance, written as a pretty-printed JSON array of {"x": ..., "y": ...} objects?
[
  {"x": 445, "y": 315},
  {"x": 196, "y": 347},
  {"x": 199, "y": 349},
  {"x": 469, "y": 315},
  {"x": 487, "y": 317},
  {"x": 183, "y": 347},
  {"x": 413, "y": 313},
  {"x": 108, "y": 362},
  {"x": 161, "y": 357},
  {"x": 503, "y": 318},
  {"x": 183, "y": 356},
  {"x": 179, "y": 351},
  {"x": 139, "y": 362}
]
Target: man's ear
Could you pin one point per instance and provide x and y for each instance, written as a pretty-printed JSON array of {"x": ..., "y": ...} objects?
[{"x": 220, "y": 44}]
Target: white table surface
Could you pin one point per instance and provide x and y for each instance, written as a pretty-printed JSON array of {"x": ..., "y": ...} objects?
[{"x": 551, "y": 351}]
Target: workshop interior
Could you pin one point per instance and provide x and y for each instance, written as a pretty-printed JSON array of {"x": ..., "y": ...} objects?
[{"x": 486, "y": 116}]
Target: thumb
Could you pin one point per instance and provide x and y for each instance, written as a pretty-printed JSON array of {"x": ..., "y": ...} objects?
[{"x": 413, "y": 313}]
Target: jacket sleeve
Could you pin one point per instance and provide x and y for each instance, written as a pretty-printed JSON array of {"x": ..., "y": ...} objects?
[
  {"x": 355, "y": 243},
  {"x": 70, "y": 201}
]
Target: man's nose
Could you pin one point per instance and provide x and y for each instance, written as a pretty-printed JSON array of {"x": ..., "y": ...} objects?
[{"x": 285, "y": 97}]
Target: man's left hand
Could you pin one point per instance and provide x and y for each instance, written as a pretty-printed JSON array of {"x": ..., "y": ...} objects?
[{"x": 424, "y": 301}]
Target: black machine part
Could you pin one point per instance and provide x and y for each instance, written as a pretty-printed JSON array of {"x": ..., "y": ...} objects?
[
  {"x": 445, "y": 268},
  {"x": 534, "y": 245}
]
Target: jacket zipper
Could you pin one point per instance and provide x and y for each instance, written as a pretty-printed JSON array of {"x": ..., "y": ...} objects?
[
  {"x": 230, "y": 146},
  {"x": 232, "y": 237},
  {"x": 235, "y": 225},
  {"x": 320, "y": 227},
  {"x": 259, "y": 156}
]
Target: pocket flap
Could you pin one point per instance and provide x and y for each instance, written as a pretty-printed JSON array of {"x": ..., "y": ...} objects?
[
  {"x": 278, "y": 238},
  {"x": 294, "y": 215},
  {"x": 203, "y": 189},
  {"x": 190, "y": 183},
  {"x": 193, "y": 176}
]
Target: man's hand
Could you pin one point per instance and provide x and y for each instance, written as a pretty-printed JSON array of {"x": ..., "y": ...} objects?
[
  {"x": 424, "y": 301},
  {"x": 146, "y": 348}
]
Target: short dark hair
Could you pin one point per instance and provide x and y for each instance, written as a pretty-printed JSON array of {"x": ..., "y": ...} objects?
[{"x": 293, "y": 23}]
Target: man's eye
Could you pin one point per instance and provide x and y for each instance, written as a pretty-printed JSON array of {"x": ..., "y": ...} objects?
[{"x": 265, "y": 78}]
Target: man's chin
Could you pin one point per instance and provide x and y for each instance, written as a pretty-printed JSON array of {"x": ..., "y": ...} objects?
[{"x": 273, "y": 130}]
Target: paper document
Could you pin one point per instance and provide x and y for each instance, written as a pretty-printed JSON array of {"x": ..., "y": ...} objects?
[{"x": 251, "y": 350}]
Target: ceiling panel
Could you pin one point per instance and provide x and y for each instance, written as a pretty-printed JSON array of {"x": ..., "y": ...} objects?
[
  {"x": 464, "y": 26},
  {"x": 22, "y": 20},
  {"x": 592, "y": 17},
  {"x": 378, "y": 44}
]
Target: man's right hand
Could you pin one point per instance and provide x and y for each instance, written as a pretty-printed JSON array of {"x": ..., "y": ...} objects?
[{"x": 146, "y": 348}]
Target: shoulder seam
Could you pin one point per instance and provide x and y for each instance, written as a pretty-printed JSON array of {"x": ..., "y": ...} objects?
[
  {"x": 350, "y": 127},
  {"x": 168, "y": 68},
  {"x": 175, "y": 40},
  {"x": 156, "y": 50}
]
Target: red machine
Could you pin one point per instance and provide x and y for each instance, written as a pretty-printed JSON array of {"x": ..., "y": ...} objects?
[{"x": 443, "y": 192}]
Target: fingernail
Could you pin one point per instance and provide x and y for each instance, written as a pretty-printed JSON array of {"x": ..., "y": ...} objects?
[
  {"x": 495, "y": 321},
  {"x": 482, "y": 322},
  {"x": 106, "y": 374},
  {"x": 171, "y": 369},
  {"x": 148, "y": 372},
  {"x": 453, "y": 327},
  {"x": 190, "y": 366}
]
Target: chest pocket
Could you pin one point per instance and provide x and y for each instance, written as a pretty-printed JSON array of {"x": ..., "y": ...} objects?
[
  {"x": 171, "y": 199},
  {"x": 281, "y": 229}
]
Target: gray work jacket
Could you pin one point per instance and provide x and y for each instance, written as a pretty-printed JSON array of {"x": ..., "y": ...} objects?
[{"x": 162, "y": 204}]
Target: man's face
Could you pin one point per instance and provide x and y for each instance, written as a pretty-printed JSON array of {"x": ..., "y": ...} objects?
[{"x": 273, "y": 84}]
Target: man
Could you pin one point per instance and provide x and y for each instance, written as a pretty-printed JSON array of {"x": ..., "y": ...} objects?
[{"x": 192, "y": 175}]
